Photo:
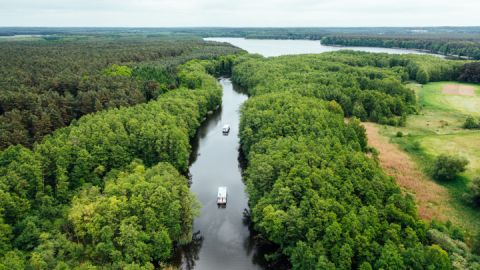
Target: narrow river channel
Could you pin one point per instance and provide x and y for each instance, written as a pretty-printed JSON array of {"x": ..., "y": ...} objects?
[{"x": 222, "y": 240}]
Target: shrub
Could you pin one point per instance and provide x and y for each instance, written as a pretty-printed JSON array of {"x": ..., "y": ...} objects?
[
  {"x": 476, "y": 245},
  {"x": 399, "y": 134},
  {"x": 471, "y": 123},
  {"x": 474, "y": 191},
  {"x": 447, "y": 167}
]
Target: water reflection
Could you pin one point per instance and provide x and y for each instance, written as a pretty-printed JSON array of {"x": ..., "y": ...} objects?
[
  {"x": 189, "y": 253},
  {"x": 212, "y": 120},
  {"x": 223, "y": 239}
]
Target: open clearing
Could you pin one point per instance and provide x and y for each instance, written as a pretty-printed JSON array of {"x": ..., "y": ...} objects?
[
  {"x": 433, "y": 98},
  {"x": 458, "y": 89},
  {"x": 436, "y": 129},
  {"x": 398, "y": 164}
]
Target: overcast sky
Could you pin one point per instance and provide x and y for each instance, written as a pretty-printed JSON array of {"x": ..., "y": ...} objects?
[{"x": 164, "y": 13}]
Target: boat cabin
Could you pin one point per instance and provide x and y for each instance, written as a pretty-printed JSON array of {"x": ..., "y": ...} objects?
[
  {"x": 226, "y": 129},
  {"x": 222, "y": 196}
]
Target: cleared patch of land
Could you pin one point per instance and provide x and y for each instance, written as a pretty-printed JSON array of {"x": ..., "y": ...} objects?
[
  {"x": 458, "y": 89},
  {"x": 436, "y": 129},
  {"x": 432, "y": 98},
  {"x": 398, "y": 164}
]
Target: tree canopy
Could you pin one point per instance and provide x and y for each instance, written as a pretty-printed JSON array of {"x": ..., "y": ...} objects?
[
  {"x": 45, "y": 85},
  {"x": 107, "y": 191}
]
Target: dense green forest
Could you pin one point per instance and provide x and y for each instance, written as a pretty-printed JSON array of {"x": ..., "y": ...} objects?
[
  {"x": 315, "y": 193},
  {"x": 45, "y": 85},
  {"x": 108, "y": 191},
  {"x": 368, "y": 86},
  {"x": 95, "y": 137},
  {"x": 442, "y": 44},
  {"x": 470, "y": 73},
  {"x": 314, "y": 187}
]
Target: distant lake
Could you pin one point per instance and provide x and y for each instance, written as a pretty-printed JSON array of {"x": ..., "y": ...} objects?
[
  {"x": 277, "y": 47},
  {"x": 20, "y": 37}
]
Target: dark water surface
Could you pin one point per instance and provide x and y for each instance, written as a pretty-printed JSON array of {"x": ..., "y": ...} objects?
[{"x": 223, "y": 239}]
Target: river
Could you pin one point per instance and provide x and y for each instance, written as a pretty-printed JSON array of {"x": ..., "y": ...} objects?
[
  {"x": 277, "y": 47},
  {"x": 222, "y": 239}
]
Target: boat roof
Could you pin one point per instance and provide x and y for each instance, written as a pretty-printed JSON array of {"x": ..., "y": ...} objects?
[
  {"x": 222, "y": 191},
  {"x": 226, "y": 126}
]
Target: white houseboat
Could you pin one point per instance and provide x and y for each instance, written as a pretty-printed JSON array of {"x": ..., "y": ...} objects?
[
  {"x": 222, "y": 196},
  {"x": 226, "y": 129}
]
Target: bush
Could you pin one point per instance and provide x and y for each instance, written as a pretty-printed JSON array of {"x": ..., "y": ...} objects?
[
  {"x": 471, "y": 123},
  {"x": 476, "y": 245},
  {"x": 447, "y": 167},
  {"x": 399, "y": 134},
  {"x": 474, "y": 191}
]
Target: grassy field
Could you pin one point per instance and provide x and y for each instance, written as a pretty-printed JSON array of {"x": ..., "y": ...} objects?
[{"x": 437, "y": 129}]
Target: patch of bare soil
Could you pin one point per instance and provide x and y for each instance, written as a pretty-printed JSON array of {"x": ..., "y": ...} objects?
[
  {"x": 432, "y": 199},
  {"x": 458, "y": 89}
]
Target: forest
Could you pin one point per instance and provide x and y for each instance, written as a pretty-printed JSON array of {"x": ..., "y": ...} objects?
[
  {"x": 109, "y": 191},
  {"x": 46, "y": 85},
  {"x": 96, "y": 134},
  {"x": 367, "y": 86},
  {"x": 443, "y": 44},
  {"x": 316, "y": 189}
]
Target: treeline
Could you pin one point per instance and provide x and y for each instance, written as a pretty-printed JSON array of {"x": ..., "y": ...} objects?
[
  {"x": 45, "y": 85},
  {"x": 315, "y": 193},
  {"x": 444, "y": 32},
  {"x": 444, "y": 46},
  {"x": 107, "y": 190},
  {"x": 368, "y": 86},
  {"x": 470, "y": 73}
]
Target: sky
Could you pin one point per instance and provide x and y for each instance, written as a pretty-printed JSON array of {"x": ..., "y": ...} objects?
[{"x": 239, "y": 13}]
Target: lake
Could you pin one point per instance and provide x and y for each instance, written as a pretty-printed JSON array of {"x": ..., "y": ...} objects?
[{"x": 278, "y": 47}]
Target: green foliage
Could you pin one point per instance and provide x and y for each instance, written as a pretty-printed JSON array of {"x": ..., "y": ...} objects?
[
  {"x": 47, "y": 85},
  {"x": 154, "y": 132},
  {"x": 367, "y": 86},
  {"x": 426, "y": 69},
  {"x": 447, "y": 167},
  {"x": 315, "y": 193},
  {"x": 136, "y": 217},
  {"x": 118, "y": 70},
  {"x": 442, "y": 45},
  {"x": 471, "y": 123},
  {"x": 422, "y": 76},
  {"x": 460, "y": 254},
  {"x": 470, "y": 72},
  {"x": 77, "y": 201},
  {"x": 12, "y": 260},
  {"x": 474, "y": 191},
  {"x": 476, "y": 245},
  {"x": 437, "y": 258}
]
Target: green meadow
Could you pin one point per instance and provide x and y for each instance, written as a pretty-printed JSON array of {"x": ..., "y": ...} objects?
[{"x": 437, "y": 129}]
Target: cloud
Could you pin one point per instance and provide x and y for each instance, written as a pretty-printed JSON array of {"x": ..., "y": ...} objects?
[{"x": 238, "y": 13}]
